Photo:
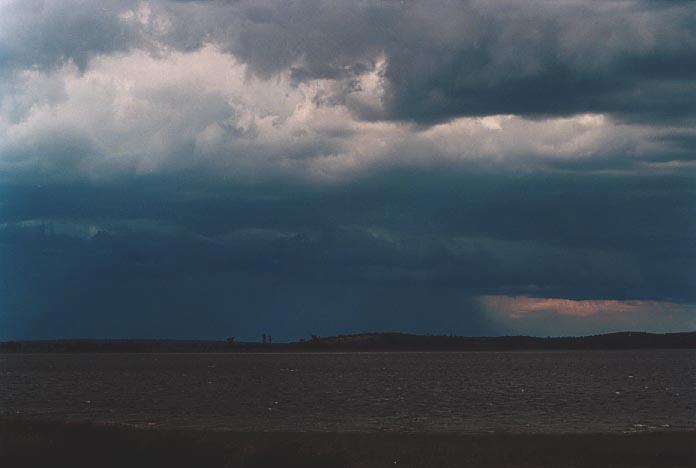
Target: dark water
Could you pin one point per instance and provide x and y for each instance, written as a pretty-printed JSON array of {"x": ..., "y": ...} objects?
[{"x": 591, "y": 391}]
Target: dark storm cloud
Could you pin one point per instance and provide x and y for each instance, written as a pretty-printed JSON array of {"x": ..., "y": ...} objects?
[
  {"x": 634, "y": 61},
  {"x": 210, "y": 168},
  {"x": 405, "y": 250},
  {"x": 448, "y": 59},
  {"x": 122, "y": 284},
  {"x": 37, "y": 33},
  {"x": 444, "y": 59}
]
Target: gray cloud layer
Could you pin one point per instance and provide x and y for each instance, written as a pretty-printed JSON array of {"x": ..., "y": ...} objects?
[{"x": 445, "y": 58}]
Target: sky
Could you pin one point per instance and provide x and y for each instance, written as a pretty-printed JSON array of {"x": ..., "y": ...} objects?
[{"x": 195, "y": 169}]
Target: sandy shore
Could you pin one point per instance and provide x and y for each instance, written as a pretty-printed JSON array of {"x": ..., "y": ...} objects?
[{"x": 26, "y": 443}]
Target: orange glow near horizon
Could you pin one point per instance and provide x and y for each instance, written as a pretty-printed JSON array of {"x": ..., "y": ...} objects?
[{"x": 519, "y": 306}]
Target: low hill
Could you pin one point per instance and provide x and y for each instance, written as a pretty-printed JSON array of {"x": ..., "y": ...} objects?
[
  {"x": 402, "y": 341},
  {"x": 369, "y": 342}
]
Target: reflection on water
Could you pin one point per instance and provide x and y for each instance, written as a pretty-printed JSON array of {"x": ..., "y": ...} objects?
[{"x": 566, "y": 391}]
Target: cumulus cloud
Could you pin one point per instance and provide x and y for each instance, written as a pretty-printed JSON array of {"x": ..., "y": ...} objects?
[{"x": 141, "y": 113}]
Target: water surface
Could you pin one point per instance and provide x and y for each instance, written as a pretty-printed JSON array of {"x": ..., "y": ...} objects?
[{"x": 471, "y": 392}]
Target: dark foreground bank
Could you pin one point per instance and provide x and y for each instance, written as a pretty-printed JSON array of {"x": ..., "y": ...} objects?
[{"x": 26, "y": 443}]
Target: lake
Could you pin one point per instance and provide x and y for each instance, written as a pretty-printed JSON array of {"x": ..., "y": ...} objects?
[{"x": 469, "y": 392}]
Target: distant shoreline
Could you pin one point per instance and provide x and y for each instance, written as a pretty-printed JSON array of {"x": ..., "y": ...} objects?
[
  {"x": 31, "y": 443},
  {"x": 366, "y": 342}
]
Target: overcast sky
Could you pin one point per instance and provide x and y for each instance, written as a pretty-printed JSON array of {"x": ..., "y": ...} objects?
[{"x": 197, "y": 169}]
